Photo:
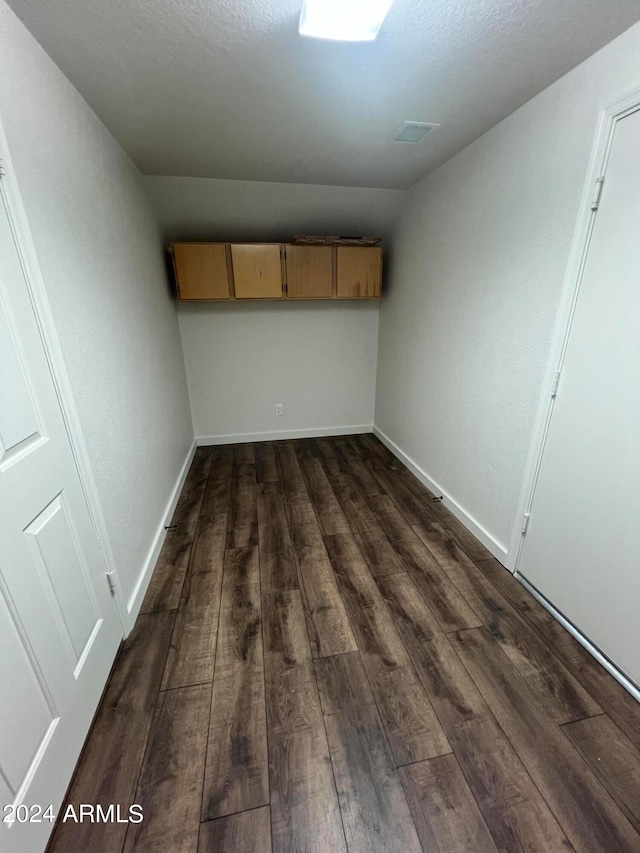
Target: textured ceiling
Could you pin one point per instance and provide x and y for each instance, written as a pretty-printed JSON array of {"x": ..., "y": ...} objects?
[{"x": 228, "y": 89}]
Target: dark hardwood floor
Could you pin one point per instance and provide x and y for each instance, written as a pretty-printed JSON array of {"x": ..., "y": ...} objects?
[{"x": 327, "y": 660}]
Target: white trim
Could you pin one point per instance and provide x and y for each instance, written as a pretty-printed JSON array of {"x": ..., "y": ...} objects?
[
  {"x": 570, "y": 290},
  {"x": 244, "y": 437},
  {"x": 53, "y": 350},
  {"x": 496, "y": 548},
  {"x": 584, "y": 641},
  {"x": 137, "y": 596}
]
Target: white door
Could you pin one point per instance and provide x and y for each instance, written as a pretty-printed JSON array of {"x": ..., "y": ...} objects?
[
  {"x": 59, "y": 629},
  {"x": 582, "y": 547}
]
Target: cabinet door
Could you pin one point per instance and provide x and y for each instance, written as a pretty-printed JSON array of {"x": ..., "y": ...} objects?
[
  {"x": 309, "y": 272},
  {"x": 359, "y": 271},
  {"x": 202, "y": 271},
  {"x": 257, "y": 271}
]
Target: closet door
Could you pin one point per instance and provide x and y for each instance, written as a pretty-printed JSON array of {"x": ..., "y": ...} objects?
[
  {"x": 59, "y": 629},
  {"x": 582, "y": 547}
]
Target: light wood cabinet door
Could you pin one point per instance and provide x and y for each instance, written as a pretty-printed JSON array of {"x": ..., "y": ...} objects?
[
  {"x": 202, "y": 271},
  {"x": 309, "y": 272},
  {"x": 359, "y": 272},
  {"x": 257, "y": 271}
]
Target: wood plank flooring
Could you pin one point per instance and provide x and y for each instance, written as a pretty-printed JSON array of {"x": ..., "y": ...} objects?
[{"x": 327, "y": 660}]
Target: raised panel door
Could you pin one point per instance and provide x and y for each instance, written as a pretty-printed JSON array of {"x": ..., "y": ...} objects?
[{"x": 59, "y": 629}]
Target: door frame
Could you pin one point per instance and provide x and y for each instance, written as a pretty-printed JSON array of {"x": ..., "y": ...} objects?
[
  {"x": 606, "y": 126},
  {"x": 25, "y": 247}
]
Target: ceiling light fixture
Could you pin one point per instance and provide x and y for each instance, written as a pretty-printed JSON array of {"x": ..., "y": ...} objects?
[{"x": 343, "y": 20}]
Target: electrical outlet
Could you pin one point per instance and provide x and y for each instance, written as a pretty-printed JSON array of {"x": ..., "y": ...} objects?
[{"x": 278, "y": 408}]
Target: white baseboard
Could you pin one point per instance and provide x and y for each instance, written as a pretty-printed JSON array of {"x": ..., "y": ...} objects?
[
  {"x": 283, "y": 435},
  {"x": 498, "y": 550},
  {"x": 135, "y": 601}
]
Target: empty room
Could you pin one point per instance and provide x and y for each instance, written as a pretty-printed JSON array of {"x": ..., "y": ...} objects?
[{"x": 319, "y": 426}]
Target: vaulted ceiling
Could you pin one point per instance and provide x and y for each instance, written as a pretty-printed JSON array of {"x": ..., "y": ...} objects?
[{"x": 228, "y": 89}]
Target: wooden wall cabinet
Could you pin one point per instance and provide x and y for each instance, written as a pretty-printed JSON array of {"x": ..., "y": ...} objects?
[
  {"x": 202, "y": 271},
  {"x": 358, "y": 272},
  {"x": 221, "y": 271},
  {"x": 257, "y": 270},
  {"x": 309, "y": 272}
]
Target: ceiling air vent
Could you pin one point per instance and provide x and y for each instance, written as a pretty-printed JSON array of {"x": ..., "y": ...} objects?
[{"x": 413, "y": 132}]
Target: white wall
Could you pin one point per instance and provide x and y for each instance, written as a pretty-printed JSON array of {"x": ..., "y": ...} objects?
[
  {"x": 101, "y": 256},
  {"x": 318, "y": 359},
  {"x": 480, "y": 256},
  {"x": 213, "y": 209}
]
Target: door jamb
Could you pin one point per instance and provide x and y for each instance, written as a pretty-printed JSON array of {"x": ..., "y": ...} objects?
[
  {"x": 19, "y": 224},
  {"x": 609, "y": 117}
]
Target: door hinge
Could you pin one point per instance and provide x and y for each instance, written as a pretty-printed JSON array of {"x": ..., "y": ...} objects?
[
  {"x": 2, "y": 170},
  {"x": 525, "y": 523},
  {"x": 556, "y": 382},
  {"x": 111, "y": 580},
  {"x": 595, "y": 201}
]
